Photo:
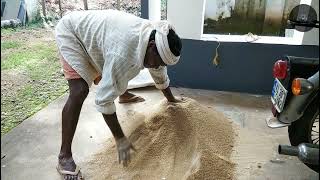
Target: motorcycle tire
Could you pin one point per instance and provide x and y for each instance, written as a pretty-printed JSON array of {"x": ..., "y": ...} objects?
[{"x": 300, "y": 130}]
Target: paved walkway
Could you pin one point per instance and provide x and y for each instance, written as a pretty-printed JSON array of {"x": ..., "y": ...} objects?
[{"x": 31, "y": 149}]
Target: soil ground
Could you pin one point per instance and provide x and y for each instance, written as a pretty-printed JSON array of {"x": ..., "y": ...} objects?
[{"x": 30, "y": 74}]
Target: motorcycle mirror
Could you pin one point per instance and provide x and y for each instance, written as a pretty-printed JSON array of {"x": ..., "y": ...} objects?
[{"x": 303, "y": 18}]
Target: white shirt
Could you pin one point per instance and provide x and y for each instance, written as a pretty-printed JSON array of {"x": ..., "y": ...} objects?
[{"x": 107, "y": 42}]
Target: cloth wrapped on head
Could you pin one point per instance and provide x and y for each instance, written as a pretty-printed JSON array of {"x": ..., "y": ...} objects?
[{"x": 162, "y": 30}]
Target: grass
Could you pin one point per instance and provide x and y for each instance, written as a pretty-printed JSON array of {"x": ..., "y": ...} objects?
[
  {"x": 9, "y": 44},
  {"x": 35, "y": 24},
  {"x": 38, "y": 60},
  {"x": 28, "y": 57},
  {"x": 5, "y": 31}
]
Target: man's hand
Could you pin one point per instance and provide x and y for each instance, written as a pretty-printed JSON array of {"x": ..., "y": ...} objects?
[
  {"x": 124, "y": 146},
  {"x": 168, "y": 94},
  {"x": 176, "y": 100}
]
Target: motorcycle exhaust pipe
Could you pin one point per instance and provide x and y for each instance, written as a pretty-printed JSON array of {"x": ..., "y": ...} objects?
[{"x": 307, "y": 153}]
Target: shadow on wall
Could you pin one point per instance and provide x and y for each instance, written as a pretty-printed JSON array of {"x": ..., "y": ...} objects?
[{"x": 244, "y": 67}]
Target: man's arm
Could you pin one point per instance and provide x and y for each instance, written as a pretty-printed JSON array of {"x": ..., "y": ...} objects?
[
  {"x": 162, "y": 81},
  {"x": 113, "y": 123},
  {"x": 168, "y": 94},
  {"x": 123, "y": 144}
]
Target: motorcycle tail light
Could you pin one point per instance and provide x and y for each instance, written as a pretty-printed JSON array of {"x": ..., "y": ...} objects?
[{"x": 280, "y": 69}]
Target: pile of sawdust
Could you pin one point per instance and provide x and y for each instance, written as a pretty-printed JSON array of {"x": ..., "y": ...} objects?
[{"x": 176, "y": 141}]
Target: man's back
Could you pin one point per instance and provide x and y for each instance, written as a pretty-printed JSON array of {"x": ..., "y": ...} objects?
[{"x": 105, "y": 32}]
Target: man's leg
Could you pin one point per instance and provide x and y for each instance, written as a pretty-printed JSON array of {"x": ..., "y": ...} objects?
[
  {"x": 128, "y": 97},
  {"x": 70, "y": 115}
]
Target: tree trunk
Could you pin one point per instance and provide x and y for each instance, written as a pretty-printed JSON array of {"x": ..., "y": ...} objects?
[
  {"x": 60, "y": 8},
  {"x": 85, "y": 3},
  {"x": 44, "y": 8}
]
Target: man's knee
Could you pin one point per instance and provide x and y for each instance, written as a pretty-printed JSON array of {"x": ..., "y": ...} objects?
[
  {"x": 79, "y": 90},
  {"x": 79, "y": 94}
]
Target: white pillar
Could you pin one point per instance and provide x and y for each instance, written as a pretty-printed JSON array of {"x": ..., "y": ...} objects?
[
  {"x": 187, "y": 17},
  {"x": 155, "y": 10},
  {"x": 312, "y": 37}
]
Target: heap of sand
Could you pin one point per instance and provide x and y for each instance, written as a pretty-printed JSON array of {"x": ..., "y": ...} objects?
[{"x": 176, "y": 141}]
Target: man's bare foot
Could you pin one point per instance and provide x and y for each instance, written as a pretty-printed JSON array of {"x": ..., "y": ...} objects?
[
  {"x": 130, "y": 98},
  {"x": 68, "y": 168}
]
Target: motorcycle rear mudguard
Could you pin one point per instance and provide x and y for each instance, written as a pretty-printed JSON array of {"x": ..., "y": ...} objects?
[{"x": 297, "y": 105}]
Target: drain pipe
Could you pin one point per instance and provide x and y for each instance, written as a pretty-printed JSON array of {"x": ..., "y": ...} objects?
[{"x": 307, "y": 153}]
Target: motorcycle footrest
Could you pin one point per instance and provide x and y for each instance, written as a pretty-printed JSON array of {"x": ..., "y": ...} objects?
[{"x": 273, "y": 122}]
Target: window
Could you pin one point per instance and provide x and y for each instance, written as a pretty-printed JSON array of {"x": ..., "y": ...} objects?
[
  {"x": 238, "y": 17},
  {"x": 261, "y": 21}
]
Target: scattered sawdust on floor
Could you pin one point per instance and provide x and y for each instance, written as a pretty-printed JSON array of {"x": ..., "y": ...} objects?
[{"x": 176, "y": 141}]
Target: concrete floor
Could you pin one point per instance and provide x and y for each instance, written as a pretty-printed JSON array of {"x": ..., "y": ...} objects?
[{"x": 30, "y": 150}]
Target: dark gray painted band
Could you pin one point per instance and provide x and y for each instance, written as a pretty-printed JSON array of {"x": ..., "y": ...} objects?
[
  {"x": 244, "y": 67},
  {"x": 145, "y": 9}
]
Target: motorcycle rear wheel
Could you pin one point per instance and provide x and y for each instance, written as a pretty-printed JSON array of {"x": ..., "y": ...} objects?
[{"x": 306, "y": 129}]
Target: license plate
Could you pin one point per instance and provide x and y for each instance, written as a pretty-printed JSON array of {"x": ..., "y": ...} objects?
[{"x": 278, "y": 96}]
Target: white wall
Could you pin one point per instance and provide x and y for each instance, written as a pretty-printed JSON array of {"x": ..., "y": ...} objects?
[
  {"x": 312, "y": 37},
  {"x": 155, "y": 10},
  {"x": 187, "y": 17}
]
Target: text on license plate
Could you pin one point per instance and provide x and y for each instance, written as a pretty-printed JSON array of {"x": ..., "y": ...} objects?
[{"x": 278, "y": 96}]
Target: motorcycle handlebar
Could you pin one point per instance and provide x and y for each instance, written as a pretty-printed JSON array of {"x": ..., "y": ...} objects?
[{"x": 292, "y": 24}]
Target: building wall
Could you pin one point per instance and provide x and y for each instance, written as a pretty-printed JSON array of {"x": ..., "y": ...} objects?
[
  {"x": 11, "y": 9},
  {"x": 244, "y": 67},
  {"x": 312, "y": 37}
]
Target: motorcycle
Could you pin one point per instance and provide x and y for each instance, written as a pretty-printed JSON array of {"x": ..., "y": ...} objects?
[{"x": 295, "y": 104}]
